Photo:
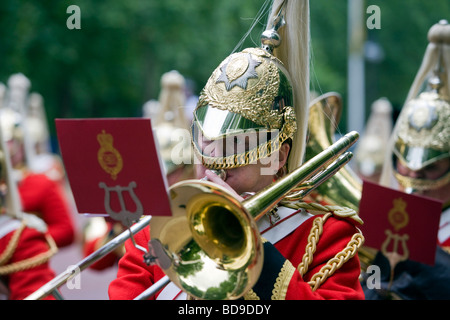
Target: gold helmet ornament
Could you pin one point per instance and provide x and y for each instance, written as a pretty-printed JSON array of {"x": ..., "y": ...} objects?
[
  {"x": 250, "y": 105},
  {"x": 36, "y": 123}
]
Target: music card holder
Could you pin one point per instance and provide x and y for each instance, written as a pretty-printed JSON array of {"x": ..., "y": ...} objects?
[
  {"x": 113, "y": 167},
  {"x": 400, "y": 224}
]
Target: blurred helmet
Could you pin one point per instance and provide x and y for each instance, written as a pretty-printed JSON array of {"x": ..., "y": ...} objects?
[
  {"x": 12, "y": 116},
  {"x": 170, "y": 123},
  {"x": 423, "y": 136},
  {"x": 9, "y": 194}
]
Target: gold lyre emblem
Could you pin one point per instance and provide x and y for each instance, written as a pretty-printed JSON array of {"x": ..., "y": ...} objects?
[
  {"x": 108, "y": 157},
  {"x": 398, "y": 218}
]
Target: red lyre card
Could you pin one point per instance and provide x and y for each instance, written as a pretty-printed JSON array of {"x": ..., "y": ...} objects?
[
  {"x": 398, "y": 222},
  {"x": 113, "y": 167}
]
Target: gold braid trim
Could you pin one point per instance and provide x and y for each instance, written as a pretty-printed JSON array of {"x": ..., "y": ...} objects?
[
  {"x": 316, "y": 231},
  {"x": 251, "y": 295},
  {"x": 281, "y": 284},
  {"x": 313, "y": 239},
  {"x": 27, "y": 263},
  {"x": 316, "y": 208},
  {"x": 12, "y": 244}
]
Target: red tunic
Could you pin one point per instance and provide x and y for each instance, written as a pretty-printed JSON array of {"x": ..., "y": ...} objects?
[
  {"x": 45, "y": 197},
  {"x": 22, "y": 283},
  {"x": 134, "y": 276}
]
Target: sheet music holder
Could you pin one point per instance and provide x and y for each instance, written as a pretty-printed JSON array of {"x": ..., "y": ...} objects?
[
  {"x": 113, "y": 167},
  {"x": 395, "y": 221}
]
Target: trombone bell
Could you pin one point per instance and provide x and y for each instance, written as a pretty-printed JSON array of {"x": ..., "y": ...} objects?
[{"x": 229, "y": 261}]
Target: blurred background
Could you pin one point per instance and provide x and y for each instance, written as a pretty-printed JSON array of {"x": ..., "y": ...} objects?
[{"x": 113, "y": 65}]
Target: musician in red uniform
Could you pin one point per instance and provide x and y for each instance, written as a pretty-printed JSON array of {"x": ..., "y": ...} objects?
[
  {"x": 25, "y": 245},
  {"x": 24, "y": 258},
  {"x": 39, "y": 194},
  {"x": 306, "y": 255},
  {"x": 419, "y": 162}
]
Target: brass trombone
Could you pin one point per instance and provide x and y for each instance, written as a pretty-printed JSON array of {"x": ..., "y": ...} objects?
[{"x": 211, "y": 247}]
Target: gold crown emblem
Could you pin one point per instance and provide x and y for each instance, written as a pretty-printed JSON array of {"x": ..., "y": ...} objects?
[
  {"x": 397, "y": 216},
  {"x": 108, "y": 157}
]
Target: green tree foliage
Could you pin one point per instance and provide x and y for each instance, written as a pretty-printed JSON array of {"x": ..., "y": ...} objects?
[{"x": 113, "y": 64}]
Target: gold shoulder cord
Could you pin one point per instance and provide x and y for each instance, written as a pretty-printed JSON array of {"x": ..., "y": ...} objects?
[
  {"x": 341, "y": 257},
  {"x": 286, "y": 272},
  {"x": 27, "y": 263}
]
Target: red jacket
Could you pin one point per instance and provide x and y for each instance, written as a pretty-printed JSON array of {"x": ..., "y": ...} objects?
[
  {"x": 134, "y": 276},
  {"x": 23, "y": 283},
  {"x": 45, "y": 197}
]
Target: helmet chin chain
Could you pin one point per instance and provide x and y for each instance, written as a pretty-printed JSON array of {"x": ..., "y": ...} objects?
[{"x": 413, "y": 185}]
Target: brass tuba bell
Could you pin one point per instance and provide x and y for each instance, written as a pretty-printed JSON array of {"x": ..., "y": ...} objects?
[{"x": 345, "y": 187}]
